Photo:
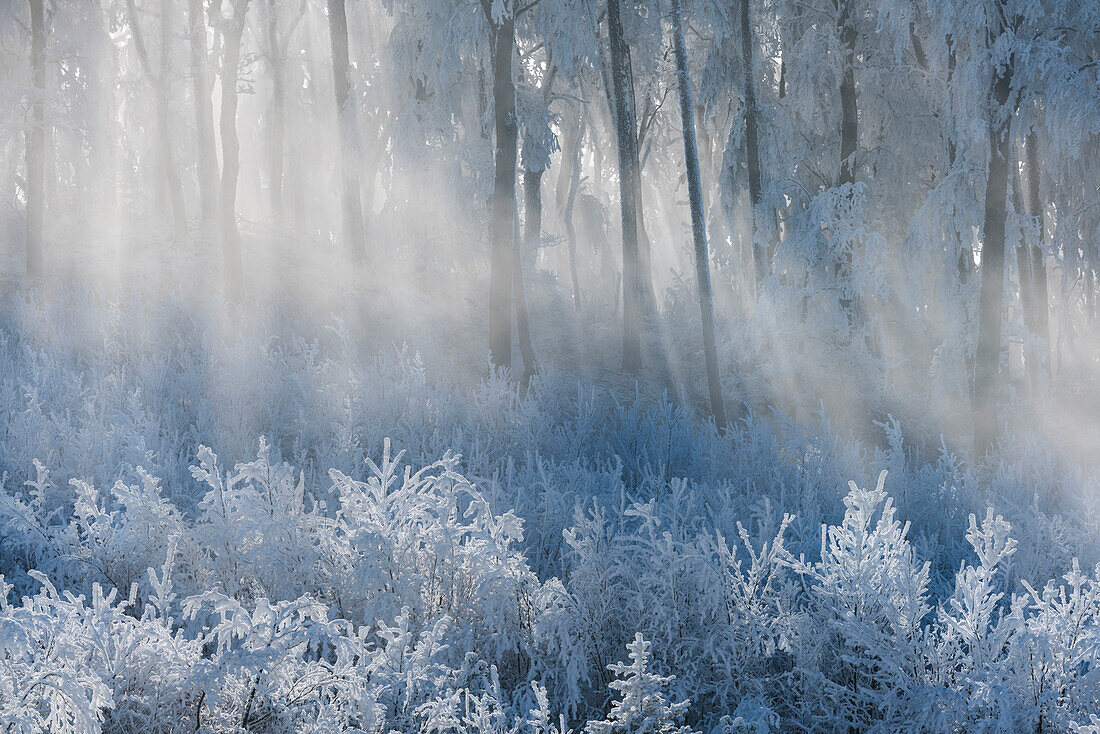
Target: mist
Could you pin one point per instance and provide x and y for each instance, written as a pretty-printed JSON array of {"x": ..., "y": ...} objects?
[{"x": 512, "y": 324}]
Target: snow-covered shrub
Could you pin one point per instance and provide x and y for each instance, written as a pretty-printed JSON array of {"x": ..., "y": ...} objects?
[
  {"x": 641, "y": 705},
  {"x": 870, "y": 595},
  {"x": 1054, "y": 657},
  {"x": 428, "y": 542},
  {"x": 45, "y": 680},
  {"x": 71, "y": 664},
  {"x": 109, "y": 540},
  {"x": 255, "y": 524},
  {"x": 972, "y": 632},
  {"x": 719, "y": 614}
]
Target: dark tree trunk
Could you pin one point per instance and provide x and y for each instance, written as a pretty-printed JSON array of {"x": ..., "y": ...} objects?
[
  {"x": 502, "y": 266},
  {"x": 626, "y": 133},
  {"x": 849, "y": 112},
  {"x": 849, "y": 127},
  {"x": 752, "y": 145},
  {"x": 36, "y": 177},
  {"x": 351, "y": 205},
  {"x": 988, "y": 353},
  {"x": 698, "y": 224},
  {"x": 227, "y": 201},
  {"x": 204, "y": 114},
  {"x": 532, "y": 212},
  {"x": 1041, "y": 315}
]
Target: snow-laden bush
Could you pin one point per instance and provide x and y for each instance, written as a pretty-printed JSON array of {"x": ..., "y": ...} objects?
[
  {"x": 869, "y": 595},
  {"x": 405, "y": 600},
  {"x": 430, "y": 543},
  {"x": 76, "y": 664},
  {"x": 721, "y": 612}
]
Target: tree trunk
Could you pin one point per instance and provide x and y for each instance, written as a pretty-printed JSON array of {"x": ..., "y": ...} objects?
[
  {"x": 645, "y": 266},
  {"x": 227, "y": 200},
  {"x": 698, "y": 224},
  {"x": 36, "y": 178},
  {"x": 159, "y": 82},
  {"x": 849, "y": 128},
  {"x": 752, "y": 145},
  {"x": 204, "y": 113},
  {"x": 523, "y": 323},
  {"x": 277, "y": 122},
  {"x": 626, "y": 134},
  {"x": 965, "y": 257},
  {"x": 351, "y": 204},
  {"x": 502, "y": 267},
  {"x": 171, "y": 171},
  {"x": 571, "y": 160},
  {"x": 532, "y": 212},
  {"x": 1023, "y": 271},
  {"x": 988, "y": 353},
  {"x": 1041, "y": 315}
]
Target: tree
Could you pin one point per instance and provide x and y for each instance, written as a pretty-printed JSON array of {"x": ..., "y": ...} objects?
[
  {"x": 275, "y": 53},
  {"x": 698, "y": 223},
  {"x": 849, "y": 126},
  {"x": 36, "y": 178},
  {"x": 159, "y": 83},
  {"x": 569, "y": 183},
  {"x": 502, "y": 265},
  {"x": 232, "y": 29},
  {"x": 351, "y": 205},
  {"x": 626, "y": 136},
  {"x": 752, "y": 144},
  {"x": 204, "y": 112},
  {"x": 1040, "y": 317},
  {"x": 987, "y": 357}
]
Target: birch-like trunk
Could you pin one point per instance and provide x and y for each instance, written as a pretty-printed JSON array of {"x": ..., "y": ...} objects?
[{"x": 698, "y": 223}]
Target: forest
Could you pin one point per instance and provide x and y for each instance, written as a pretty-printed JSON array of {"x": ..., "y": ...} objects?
[{"x": 549, "y": 366}]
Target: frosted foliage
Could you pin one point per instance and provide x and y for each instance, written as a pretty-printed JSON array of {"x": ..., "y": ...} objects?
[
  {"x": 260, "y": 470},
  {"x": 640, "y": 703}
]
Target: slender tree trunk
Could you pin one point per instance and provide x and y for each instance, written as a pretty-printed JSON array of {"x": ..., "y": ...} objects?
[
  {"x": 988, "y": 353},
  {"x": 102, "y": 203},
  {"x": 159, "y": 82},
  {"x": 849, "y": 112},
  {"x": 626, "y": 133},
  {"x": 752, "y": 145},
  {"x": 36, "y": 178},
  {"x": 523, "y": 323},
  {"x": 1023, "y": 271},
  {"x": 849, "y": 127},
  {"x": 573, "y": 156},
  {"x": 352, "y": 206},
  {"x": 532, "y": 212},
  {"x": 1041, "y": 315},
  {"x": 204, "y": 113},
  {"x": 645, "y": 265},
  {"x": 227, "y": 200},
  {"x": 502, "y": 267},
  {"x": 965, "y": 257},
  {"x": 172, "y": 177},
  {"x": 277, "y": 122},
  {"x": 698, "y": 224}
]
